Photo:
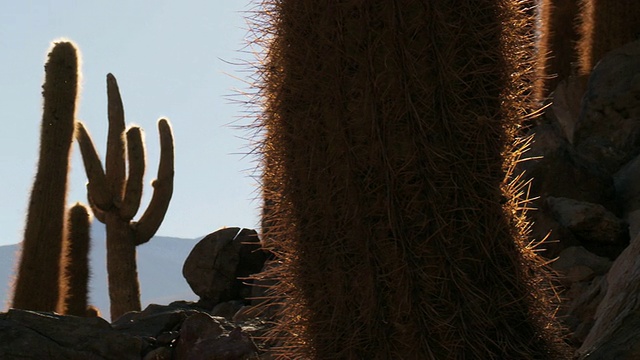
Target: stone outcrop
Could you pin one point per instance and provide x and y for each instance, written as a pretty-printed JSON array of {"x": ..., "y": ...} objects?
[{"x": 218, "y": 267}]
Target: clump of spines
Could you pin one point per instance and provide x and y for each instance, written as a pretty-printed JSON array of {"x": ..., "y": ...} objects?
[
  {"x": 387, "y": 155},
  {"x": 36, "y": 285}
]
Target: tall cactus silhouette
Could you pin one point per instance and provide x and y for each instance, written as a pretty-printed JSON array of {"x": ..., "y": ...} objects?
[
  {"x": 605, "y": 26},
  {"x": 392, "y": 210},
  {"x": 36, "y": 286},
  {"x": 115, "y": 198},
  {"x": 74, "y": 287}
]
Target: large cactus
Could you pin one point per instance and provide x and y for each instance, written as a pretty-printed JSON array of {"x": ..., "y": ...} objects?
[
  {"x": 36, "y": 286},
  {"x": 604, "y": 26},
  {"x": 391, "y": 206},
  {"x": 74, "y": 287},
  {"x": 115, "y": 198}
]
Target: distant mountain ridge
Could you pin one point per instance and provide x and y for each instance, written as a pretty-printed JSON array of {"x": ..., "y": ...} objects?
[{"x": 159, "y": 270}]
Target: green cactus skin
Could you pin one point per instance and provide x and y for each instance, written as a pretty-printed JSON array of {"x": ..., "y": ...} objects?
[
  {"x": 605, "y": 26},
  {"x": 398, "y": 227},
  {"x": 36, "y": 286},
  {"x": 74, "y": 289},
  {"x": 557, "y": 56},
  {"x": 115, "y": 199}
]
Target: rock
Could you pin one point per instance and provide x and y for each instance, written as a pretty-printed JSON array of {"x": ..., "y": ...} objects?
[
  {"x": 579, "y": 307},
  {"x": 628, "y": 194},
  {"x": 578, "y": 256},
  {"x": 201, "y": 338},
  {"x": 615, "y": 334},
  {"x": 589, "y": 222},
  {"x": 37, "y": 335},
  {"x": 227, "y": 309},
  {"x": 560, "y": 173},
  {"x": 565, "y": 106},
  {"x": 176, "y": 331},
  {"x": 162, "y": 353},
  {"x": 608, "y": 128},
  {"x": 154, "y": 320},
  {"x": 218, "y": 266}
]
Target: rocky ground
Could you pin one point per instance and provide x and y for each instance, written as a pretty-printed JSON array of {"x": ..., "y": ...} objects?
[{"x": 585, "y": 171}]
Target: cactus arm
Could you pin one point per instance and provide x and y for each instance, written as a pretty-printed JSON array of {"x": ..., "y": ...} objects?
[
  {"x": 133, "y": 192},
  {"x": 150, "y": 221},
  {"x": 115, "y": 158},
  {"x": 97, "y": 189}
]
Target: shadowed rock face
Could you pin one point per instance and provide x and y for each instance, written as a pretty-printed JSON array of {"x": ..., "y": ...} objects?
[{"x": 178, "y": 331}]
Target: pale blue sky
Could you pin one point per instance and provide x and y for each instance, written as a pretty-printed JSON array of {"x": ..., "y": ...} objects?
[{"x": 171, "y": 58}]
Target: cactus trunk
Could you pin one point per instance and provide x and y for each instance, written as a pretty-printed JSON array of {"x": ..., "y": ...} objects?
[
  {"x": 389, "y": 130},
  {"x": 36, "y": 287},
  {"x": 124, "y": 289}
]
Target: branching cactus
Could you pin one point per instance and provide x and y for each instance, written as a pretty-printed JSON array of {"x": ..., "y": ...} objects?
[
  {"x": 74, "y": 287},
  {"x": 36, "y": 286},
  {"x": 390, "y": 203},
  {"x": 115, "y": 197}
]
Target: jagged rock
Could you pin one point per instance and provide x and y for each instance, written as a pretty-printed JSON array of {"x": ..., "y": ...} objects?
[
  {"x": 589, "y": 222},
  {"x": 608, "y": 129},
  {"x": 217, "y": 267},
  {"x": 37, "y": 335},
  {"x": 615, "y": 334},
  {"x": 201, "y": 338}
]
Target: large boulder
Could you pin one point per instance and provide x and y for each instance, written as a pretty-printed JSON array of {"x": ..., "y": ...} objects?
[{"x": 218, "y": 267}]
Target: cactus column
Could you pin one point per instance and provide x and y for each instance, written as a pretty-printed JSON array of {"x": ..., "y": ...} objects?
[
  {"x": 557, "y": 55},
  {"x": 74, "y": 289},
  {"x": 389, "y": 129},
  {"x": 605, "y": 26},
  {"x": 115, "y": 197},
  {"x": 36, "y": 286}
]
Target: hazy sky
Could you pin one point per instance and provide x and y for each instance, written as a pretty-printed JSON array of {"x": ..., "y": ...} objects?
[{"x": 174, "y": 59}]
